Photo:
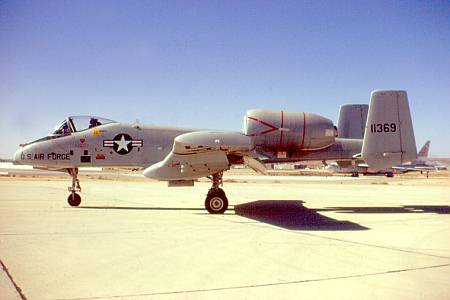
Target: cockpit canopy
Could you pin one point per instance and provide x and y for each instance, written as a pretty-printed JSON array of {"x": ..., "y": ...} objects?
[{"x": 77, "y": 124}]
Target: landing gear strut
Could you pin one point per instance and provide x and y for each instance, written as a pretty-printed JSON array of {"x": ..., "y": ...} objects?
[
  {"x": 354, "y": 169},
  {"x": 216, "y": 201},
  {"x": 74, "y": 199}
]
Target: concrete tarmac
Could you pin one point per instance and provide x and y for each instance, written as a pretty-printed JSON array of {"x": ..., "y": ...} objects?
[{"x": 375, "y": 238}]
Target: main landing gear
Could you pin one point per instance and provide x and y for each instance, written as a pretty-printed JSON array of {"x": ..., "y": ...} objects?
[
  {"x": 354, "y": 169},
  {"x": 216, "y": 201},
  {"x": 74, "y": 199}
]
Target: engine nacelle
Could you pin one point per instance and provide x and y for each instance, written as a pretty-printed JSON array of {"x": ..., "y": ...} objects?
[{"x": 288, "y": 131}]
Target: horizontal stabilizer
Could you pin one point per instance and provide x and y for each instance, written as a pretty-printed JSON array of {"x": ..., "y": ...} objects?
[{"x": 389, "y": 135}]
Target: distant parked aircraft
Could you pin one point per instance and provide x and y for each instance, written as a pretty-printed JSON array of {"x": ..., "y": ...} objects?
[{"x": 420, "y": 164}]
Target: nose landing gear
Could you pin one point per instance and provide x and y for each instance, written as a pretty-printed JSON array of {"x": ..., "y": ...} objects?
[
  {"x": 74, "y": 199},
  {"x": 216, "y": 201}
]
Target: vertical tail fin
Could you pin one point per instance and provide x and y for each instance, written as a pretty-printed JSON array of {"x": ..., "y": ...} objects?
[
  {"x": 389, "y": 135},
  {"x": 424, "y": 150},
  {"x": 352, "y": 121}
]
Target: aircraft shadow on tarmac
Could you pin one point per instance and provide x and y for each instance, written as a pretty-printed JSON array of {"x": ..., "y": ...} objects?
[
  {"x": 292, "y": 215},
  {"x": 288, "y": 214},
  {"x": 411, "y": 209}
]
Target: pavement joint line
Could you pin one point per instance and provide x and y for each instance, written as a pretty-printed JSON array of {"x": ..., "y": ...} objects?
[
  {"x": 262, "y": 284},
  {"x": 18, "y": 289},
  {"x": 258, "y": 224},
  {"x": 400, "y": 220},
  {"x": 375, "y": 246},
  {"x": 261, "y": 225}
]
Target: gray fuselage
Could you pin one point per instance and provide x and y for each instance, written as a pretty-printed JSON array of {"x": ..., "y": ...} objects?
[
  {"x": 143, "y": 146},
  {"x": 126, "y": 145}
]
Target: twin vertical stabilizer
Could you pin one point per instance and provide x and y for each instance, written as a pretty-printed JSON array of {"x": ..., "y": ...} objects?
[
  {"x": 352, "y": 121},
  {"x": 389, "y": 135}
]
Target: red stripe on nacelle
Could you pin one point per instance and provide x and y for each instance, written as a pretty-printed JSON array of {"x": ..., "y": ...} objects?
[
  {"x": 262, "y": 122},
  {"x": 282, "y": 126},
  {"x": 272, "y": 128},
  {"x": 304, "y": 131}
]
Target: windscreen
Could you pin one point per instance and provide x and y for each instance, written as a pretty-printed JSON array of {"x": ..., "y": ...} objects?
[
  {"x": 78, "y": 123},
  {"x": 61, "y": 129},
  {"x": 81, "y": 123}
]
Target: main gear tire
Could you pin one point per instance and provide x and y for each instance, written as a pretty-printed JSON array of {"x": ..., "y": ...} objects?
[
  {"x": 74, "y": 199},
  {"x": 216, "y": 201}
]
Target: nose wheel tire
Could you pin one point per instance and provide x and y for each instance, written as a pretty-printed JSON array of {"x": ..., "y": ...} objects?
[
  {"x": 216, "y": 201},
  {"x": 74, "y": 199}
]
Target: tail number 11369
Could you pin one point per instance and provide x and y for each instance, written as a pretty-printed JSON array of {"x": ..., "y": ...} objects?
[{"x": 383, "y": 127}]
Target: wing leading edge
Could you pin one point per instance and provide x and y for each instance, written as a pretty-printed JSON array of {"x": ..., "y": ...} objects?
[{"x": 199, "y": 154}]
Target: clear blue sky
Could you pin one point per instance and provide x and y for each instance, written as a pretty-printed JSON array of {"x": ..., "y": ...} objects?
[{"x": 204, "y": 63}]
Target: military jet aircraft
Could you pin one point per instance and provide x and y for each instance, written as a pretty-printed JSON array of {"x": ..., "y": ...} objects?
[
  {"x": 180, "y": 156},
  {"x": 422, "y": 163},
  {"x": 419, "y": 165}
]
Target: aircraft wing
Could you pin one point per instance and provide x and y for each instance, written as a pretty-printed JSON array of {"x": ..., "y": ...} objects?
[{"x": 203, "y": 153}]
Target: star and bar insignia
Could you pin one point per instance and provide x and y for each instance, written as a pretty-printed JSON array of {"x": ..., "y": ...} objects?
[{"x": 123, "y": 143}]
